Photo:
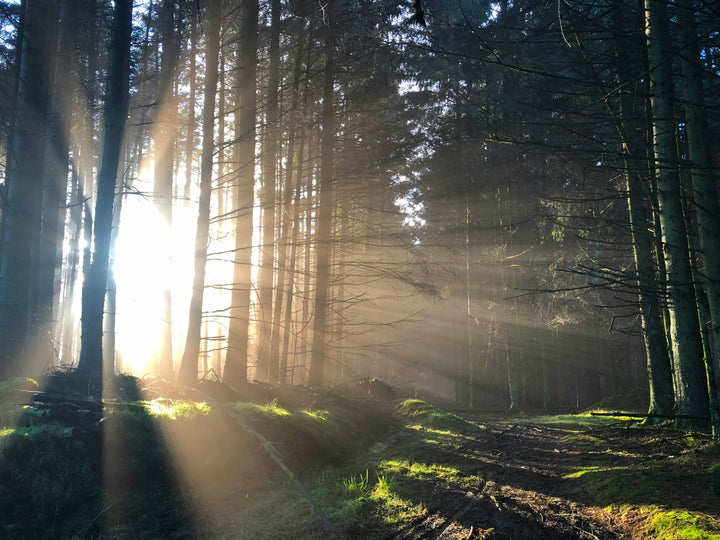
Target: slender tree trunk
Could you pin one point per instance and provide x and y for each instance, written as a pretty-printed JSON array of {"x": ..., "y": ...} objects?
[
  {"x": 277, "y": 365},
  {"x": 115, "y": 114},
  {"x": 189, "y": 366},
  {"x": 269, "y": 168},
  {"x": 691, "y": 397},
  {"x": 55, "y": 184},
  {"x": 705, "y": 196},
  {"x": 308, "y": 256},
  {"x": 67, "y": 318},
  {"x": 109, "y": 350},
  {"x": 318, "y": 358},
  {"x": 236, "y": 360},
  {"x": 190, "y": 128},
  {"x": 165, "y": 134},
  {"x": 292, "y": 262}
]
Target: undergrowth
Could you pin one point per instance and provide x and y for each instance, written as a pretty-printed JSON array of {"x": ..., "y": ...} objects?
[{"x": 175, "y": 467}]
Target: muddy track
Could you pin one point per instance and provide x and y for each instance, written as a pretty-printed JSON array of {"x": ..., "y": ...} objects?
[{"x": 519, "y": 496}]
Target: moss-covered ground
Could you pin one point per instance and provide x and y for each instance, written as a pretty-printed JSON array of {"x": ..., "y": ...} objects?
[{"x": 149, "y": 460}]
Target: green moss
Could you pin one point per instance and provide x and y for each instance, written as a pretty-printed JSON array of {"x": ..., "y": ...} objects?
[
  {"x": 423, "y": 414},
  {"x": 175, "y": 410},
  {"x": 681, "y": 525},
  {"x": 422, "y": 471},
  {"x": 573, "y": 422}
]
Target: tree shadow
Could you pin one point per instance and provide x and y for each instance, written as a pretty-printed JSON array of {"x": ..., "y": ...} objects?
[{"x": 110, "y": 469}]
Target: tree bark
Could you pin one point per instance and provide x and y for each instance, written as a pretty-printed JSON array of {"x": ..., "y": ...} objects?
[
  {"x": 691, "y": 397},
  {"x": 115, "y": 114},
  {"x": 236, "y": 360},
  {"x": 705, "y": 196},
  {"x": 656, "y": 349},
  {"x": 189, "y": 365},
  {"x": 267, "y": 367},
  {"x": 318, "y": 358}
]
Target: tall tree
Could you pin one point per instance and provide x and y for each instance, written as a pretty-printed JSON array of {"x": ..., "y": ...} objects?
[
  {"x": 267, "y": 366},
  {"x": 55, "y": 183},
  {"x": 630, "y": 129},
  {"x": 189, "y": 365},
  {"x": 318, "y": 358},
  {"x": 114, "y": 115},
  {"x": 691, "y": 396},
  {"x": 165, "y": 135},
  {"x": 236, "y": 361},
  {"x": 24, "y": 180},
  {"x": 705, "y": 195}
]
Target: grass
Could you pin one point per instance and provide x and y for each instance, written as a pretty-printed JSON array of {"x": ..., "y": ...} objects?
[
  {"x": 680, "y": 525},
  {"x": 378, "y": 496},
  {"x": 572, "y": 422},
  {"x": 51, "y": 479},
  {"x": 421, "y": 413},
  {"x": 176, "y": 409}
]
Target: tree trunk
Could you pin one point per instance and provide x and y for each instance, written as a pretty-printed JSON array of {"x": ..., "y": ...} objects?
[
  {"x": 705, "y": 196},
  {"x": 318, "y": 358},
  {"x": 190, "y": 142},
  {"x": 236, "y": 360},
  {"x": 55, "y": 184},
  {"x": 292, "y": 263},
  {"x": 691, "y": 397},
  {"x": 656, "y": 350},
  {"x": 189, "y": 365},
  {"x": 164, "y": 138},
  {"x": 269, "y": 168},
  {"x": 115, "y": 114},
  {"x": 24, "y": 188}
]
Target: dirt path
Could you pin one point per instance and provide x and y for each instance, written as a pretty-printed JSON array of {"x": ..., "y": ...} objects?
[{"x": 519, "y": 494}]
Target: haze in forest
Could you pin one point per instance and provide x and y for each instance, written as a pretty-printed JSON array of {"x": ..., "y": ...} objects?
[{"x": 503, "y": 205}]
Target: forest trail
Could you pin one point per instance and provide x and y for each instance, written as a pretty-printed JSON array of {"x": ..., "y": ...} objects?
[
  {"x": 459, "y": 476},
  {"x": 512, "y": 487},
  {"x": 532, "y": 480},
  {"x": 171, "y": 466}
]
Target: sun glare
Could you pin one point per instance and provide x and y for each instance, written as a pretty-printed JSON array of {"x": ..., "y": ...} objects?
[{"x": 143, "y": 272}]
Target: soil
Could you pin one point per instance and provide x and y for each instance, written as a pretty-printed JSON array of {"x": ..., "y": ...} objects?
[
  {"x": 514, "y": 479},
  {"x": 524, "y": 493},
  {"x": 520, "y": 495}
]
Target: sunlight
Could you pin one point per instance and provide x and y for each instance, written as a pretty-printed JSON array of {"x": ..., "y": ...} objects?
[
  {"x": 140, "y": 279},
  {"x": 142, "y": 274}
]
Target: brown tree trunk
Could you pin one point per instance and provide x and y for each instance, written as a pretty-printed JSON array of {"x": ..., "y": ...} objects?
[
  {"x": 318, "y": 358},
  {"x": 164, "y": 138},
  {"x": 236, "y": 360},
  {"x": 189, "y": 365},
  {"x": 269, "y": 168}
]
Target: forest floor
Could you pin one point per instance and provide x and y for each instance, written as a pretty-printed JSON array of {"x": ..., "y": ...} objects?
[{"x": 155, "y": 461}]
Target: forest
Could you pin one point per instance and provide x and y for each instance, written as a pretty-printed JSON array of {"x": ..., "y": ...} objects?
[{"x": 290, "y": 228}]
